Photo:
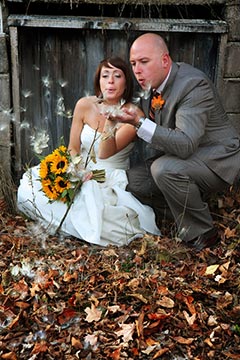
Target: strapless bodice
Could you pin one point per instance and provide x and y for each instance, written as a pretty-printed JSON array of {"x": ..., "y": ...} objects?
[{"x": 117, "y": 161}]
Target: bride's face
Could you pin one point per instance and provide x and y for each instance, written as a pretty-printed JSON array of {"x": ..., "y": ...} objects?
[{"x": 112, "y": 83}]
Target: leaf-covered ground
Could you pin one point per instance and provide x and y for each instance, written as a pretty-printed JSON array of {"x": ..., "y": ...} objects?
[{"x": 156, "y": 299}]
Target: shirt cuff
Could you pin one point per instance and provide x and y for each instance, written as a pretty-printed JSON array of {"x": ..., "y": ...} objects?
[{"x": 147, "y": 130}]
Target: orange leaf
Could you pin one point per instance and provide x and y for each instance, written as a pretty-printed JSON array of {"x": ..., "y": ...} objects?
[
  {"x": 40, "y": 347},
  {"x": 76, "y": 343},
  {"x": 160, "y": 353},
  {"x": 66, "y": 315},
  {"x": 182, "y": 340},
  {"x": 115, "y": 355},
  {"x": 9, "y": 356}
]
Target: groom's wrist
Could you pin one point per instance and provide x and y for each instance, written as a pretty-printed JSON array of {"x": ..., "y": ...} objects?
[{"x": 139, "y": 123}]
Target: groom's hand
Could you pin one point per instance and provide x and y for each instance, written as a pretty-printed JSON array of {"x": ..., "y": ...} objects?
[{"x": 129, "y": 116}]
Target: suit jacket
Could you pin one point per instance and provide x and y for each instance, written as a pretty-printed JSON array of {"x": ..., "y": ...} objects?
[{"x": 193, "y": 123}]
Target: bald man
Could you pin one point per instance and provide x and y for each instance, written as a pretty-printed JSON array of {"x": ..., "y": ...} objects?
[{"x": 188, "y": 150}]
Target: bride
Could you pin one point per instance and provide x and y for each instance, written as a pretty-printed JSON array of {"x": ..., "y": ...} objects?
[{"x": 102, "y": 213}]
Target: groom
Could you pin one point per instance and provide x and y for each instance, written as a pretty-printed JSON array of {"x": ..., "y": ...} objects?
[{"x": 187, "y": 146}]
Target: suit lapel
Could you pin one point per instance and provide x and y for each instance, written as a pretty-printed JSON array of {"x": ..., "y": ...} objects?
[{"x": 165, "y": 93}]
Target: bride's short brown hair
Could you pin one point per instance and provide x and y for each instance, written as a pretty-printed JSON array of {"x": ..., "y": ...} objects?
[{"x": 119, "y": 63}]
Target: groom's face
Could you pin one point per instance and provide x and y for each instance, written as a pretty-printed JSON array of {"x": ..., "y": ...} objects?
[{"x": 148, "y": 64}]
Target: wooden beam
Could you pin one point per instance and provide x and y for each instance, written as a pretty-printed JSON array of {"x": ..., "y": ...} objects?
[
  {"x": 105, "y": 23},
  {"x": 16, "y": 99}
]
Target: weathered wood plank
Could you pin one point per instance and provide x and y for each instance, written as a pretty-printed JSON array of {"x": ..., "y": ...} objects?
[
  {"x": 129, "y": 2},
  {"x": 133, "y": 24}
]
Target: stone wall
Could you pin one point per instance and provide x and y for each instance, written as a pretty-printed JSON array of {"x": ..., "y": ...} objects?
[{"x": 231, "y": 74}]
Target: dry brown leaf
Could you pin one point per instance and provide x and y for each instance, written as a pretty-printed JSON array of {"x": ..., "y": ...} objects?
[
  {"x": 166, "y": 302},
  {"x": 139, "y": 297},
  {"x": 76, "y": 343},
  {"x": 160, "y": 352},
  {"x": 231, "y": 355},
  {"x": 230, "y": 233},
  {"x": 40, "y": 347},
  {"x": 182, "y": 340},
  {"x": 126, "y": 331},
  {"x": 68, "y": 277},
  {"x": 190, "y": 319},
  {"x": 115, "y": 355},
  {"x": 9, "y": 356},
  {"x": 93, "y": 314},
  {"x": 211, "y": 269}
]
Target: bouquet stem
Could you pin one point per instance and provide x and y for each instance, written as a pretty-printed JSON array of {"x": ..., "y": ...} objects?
[{"x": 79, "y": 184}]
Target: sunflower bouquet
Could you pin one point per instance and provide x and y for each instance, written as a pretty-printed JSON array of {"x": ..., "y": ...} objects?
[{"x": 62, "y": 175}]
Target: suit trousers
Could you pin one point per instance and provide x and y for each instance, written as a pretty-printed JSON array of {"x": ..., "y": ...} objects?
[{"x": 169, "y": 183}]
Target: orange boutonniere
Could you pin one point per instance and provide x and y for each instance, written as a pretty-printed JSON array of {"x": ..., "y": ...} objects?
[{"x": 157, "y": 102}]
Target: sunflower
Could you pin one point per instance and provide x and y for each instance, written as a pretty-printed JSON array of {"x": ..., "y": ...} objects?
[
  {"x": 60, "y": 150},
  {"x": 44, "y": 168},
  {"x": 62, "y": 184},
  {"x": 49, "y": 189},
  {"x": 59, "y": 164}
]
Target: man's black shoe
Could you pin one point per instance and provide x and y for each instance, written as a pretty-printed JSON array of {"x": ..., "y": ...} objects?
[{"x": 207, "y": 240}]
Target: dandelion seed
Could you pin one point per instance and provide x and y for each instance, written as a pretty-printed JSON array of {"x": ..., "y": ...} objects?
[
  {"x": 136, "y": 100},
  {"x": 87, "y": 94},
  {"x": 3, "y": 127},
  {"x": 46, "y": 81},
  {"x": 15, "y": 271},
  {"x": 40, "y": 335},
  {"x": 35, "y": 67},
  {"x": 27, "y": 93},
  {"x": 145, "y": 93},
  {"x": 22, "y": 109},
  {"x": 24, "y": 125},
  {"x": 47, "y": 93},
  {"x": 62, "y": 83},
  {"x": 39, "y": 142},
  {"x": 60, "y": 105},
  {"x": 6, "y": 111},
  {"x": 26, "y": 270},
  {"x": 68, "y": 114}
]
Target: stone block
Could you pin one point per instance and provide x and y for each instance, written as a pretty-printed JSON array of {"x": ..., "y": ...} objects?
[
  {"x": 5, "y": 92},
  {"x": 233, "y": 20},
  {"x": 231, "y": 95},
  {"x": 4, "y": 65},
  {"x": 232, "y": 68},
  {"x": 235, "y": 120}
]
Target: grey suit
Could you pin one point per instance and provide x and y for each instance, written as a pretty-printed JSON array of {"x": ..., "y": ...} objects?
[{"x": 194, "y": 151}]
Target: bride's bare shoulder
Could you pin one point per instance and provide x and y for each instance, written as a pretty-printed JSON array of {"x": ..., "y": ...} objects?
[{"x": 86, "y": 102}]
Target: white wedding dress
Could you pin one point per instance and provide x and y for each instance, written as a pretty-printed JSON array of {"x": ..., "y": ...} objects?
[{"x": 102, "y": 213}]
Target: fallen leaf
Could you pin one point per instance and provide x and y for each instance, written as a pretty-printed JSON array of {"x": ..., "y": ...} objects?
[
  {"x": 91, "y": 339},
  {"x": 160, "y": 352},
  {"x": 211, "y": 269},
  {"x": 190, "y": 319},
  {"x": 166, "y": 302},
  {"x": 93, "y": 314},
  {"x": 9, "y": 356},
  {"x": 182, "y": 340},
  {"x": 40, "y": 347},
  {"x": 126, "y": 331}
]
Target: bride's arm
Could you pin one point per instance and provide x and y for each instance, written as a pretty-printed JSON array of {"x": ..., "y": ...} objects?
[{"x": 115, "y": 137}]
